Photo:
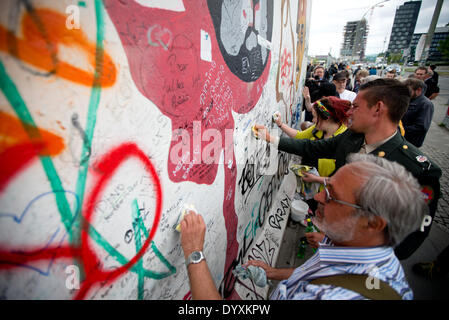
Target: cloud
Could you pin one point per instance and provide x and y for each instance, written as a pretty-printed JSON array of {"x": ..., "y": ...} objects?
[{"x": 330, "y": 16}]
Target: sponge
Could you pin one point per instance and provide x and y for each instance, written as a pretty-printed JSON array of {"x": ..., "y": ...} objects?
[
  {"x": 255, "y": 132},
  {"x": 185, "y": 209}
]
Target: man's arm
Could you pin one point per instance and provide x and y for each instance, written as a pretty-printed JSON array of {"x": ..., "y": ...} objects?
[
  {"x": 202, "y": 285},
  {"x": 325, "y": 148},
  {"x": 307, "y": 99},
  {"x": 433, "y": 96},
  {"x": 193, "y": 230}
]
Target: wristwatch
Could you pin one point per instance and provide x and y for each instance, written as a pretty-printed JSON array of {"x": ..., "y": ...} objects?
[{"x": 195, "y": 257}]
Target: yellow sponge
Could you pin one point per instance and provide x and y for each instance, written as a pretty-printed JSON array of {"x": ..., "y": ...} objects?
[
  {"x": 255, "y": 132},
  {"x": 185, "y": 209}
]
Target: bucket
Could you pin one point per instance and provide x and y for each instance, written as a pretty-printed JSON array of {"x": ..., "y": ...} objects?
[{"x": 298, "y": 210}]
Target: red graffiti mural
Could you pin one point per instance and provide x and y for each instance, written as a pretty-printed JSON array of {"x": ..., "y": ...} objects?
[
  {"x": 286, "y": 66},
  {"x": 165, "y": 51},
  {"x": 104, "y": 171},
  {"x": 14, "y": 159}
]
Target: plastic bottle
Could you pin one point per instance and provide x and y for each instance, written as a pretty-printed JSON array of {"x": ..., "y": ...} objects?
[
  {"x": 302, "y": 248},
  {"x": 311, "y": 228}
]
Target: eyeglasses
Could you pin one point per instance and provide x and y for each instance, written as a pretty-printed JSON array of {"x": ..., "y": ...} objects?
[{"x": 329, "y": 198}]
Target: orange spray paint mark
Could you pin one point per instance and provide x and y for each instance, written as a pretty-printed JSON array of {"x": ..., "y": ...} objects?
[
  {"x": 43, "y": 31},
  {"x": 12, "y": 133},
  {"x": 20, "y": 144}
]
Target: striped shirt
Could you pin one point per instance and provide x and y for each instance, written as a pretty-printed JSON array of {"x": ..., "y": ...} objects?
[{"x": 379, "y": 262}]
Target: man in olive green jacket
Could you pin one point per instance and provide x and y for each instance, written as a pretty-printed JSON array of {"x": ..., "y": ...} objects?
[{"x": 373, "y": 128}]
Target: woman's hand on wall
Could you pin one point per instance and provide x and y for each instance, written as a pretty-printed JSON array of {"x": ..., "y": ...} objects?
[{"x": 261, "y": 132}]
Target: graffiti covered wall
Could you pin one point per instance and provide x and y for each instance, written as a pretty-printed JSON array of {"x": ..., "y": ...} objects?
[{"x": 115, "y": 114}]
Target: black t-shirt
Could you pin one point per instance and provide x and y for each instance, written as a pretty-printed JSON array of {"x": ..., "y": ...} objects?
[{"x": 432, "y": 87}]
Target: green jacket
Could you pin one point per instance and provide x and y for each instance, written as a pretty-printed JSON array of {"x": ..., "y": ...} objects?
[{"x": 396, "y": 149}]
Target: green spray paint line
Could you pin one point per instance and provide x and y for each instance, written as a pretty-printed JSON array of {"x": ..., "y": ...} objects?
[
  {"x": 14, "y": 98},
  {"x": 11, "y": 93},
  {"x": 138, "y": 227},
  {"x": 98, "y": 238},
  {"x": 159, "y": 255},
  {"x": 94, "y": 102},
  {"x": 137, "y": 240}
]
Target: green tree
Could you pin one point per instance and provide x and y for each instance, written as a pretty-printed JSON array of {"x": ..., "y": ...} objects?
[
  {"x": 443, "y": 47},
  {"x": 394, "y": 58}
]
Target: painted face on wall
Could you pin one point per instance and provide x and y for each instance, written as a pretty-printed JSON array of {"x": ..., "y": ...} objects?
[
  {"x": 186, "y": 63},
  {"x": 237, "y": 28}
]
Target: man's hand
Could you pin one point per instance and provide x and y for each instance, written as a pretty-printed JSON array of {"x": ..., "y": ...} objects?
[
  {"x": 314, "y": 238},
  {"x": 307, "y": 99},
  {"x": 272, "y": 273},
  {"x": 309, "y": 177},
  {"x": 193, "y": 230},
  {"x": 306, "y": 93},
  {"x": 278, "y": 121},
  {"x": 433, "y": 96}
]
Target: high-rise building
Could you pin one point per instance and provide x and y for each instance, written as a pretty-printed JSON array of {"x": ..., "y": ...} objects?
[
  {"x": 404, "y": 26},
  {"x": 354, "y": 40},
  {"x": 440, "y": 34}
]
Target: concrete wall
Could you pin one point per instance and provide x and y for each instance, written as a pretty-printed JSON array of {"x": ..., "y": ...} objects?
[{"x": 116, "y": 114}]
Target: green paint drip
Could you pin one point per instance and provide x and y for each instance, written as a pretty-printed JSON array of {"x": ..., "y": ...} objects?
[
  {"x": 148, "y": 273},
  {"x": 137, "y": 240}
]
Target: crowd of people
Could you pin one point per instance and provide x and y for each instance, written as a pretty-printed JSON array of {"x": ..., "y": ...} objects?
[{"x": 378, "y": 195}]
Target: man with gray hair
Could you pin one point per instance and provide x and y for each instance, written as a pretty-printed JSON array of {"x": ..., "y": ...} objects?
[
  {"x": 366, "y": 208},
  {"x": 417, "y": 119}
]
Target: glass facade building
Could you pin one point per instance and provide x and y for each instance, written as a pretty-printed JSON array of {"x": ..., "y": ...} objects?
[{"x": 404, "y": 26}]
